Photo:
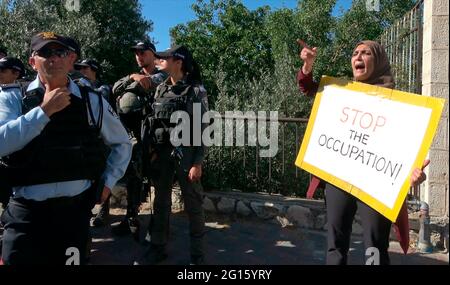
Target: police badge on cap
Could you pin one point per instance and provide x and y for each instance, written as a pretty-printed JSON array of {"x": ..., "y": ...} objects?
[{"x": 40, "y": 40}]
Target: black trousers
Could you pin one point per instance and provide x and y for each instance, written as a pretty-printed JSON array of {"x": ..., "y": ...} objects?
[
  {"x": 133, "y": 176},
  {"x": 341, "y": 209},
  {"x": 192, "y": 196},
  {"x": 53, "y": 231}
]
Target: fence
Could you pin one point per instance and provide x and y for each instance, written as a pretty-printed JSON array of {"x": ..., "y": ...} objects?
[
  {"x": 403, "y": 44},
  {"x": 242, "y": 168}
]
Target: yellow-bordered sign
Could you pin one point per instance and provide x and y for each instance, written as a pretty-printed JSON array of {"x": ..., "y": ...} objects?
[{"x": 336, "y": 146}]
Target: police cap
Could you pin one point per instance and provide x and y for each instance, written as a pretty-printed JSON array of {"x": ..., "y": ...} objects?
[
  {"x": 144, "y": 45},
  {"x": 13, "y": 63},
  {"x": 40, "y": 40},
  {"x": 88, "y": 62},
  {"x": 180, "y": 52}
]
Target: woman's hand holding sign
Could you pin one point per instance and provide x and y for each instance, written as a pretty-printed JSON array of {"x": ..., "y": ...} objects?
[{"x": 418, "y": 176}]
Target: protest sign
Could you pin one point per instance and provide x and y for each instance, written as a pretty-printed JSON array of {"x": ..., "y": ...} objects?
[{"x": 367, "y": 139}]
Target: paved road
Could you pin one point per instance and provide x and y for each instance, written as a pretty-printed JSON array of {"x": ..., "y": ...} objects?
[{"x": 241, "y": 242}]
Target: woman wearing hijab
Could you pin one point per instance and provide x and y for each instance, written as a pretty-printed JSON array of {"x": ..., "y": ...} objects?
[{"x": 369, "y": 65}]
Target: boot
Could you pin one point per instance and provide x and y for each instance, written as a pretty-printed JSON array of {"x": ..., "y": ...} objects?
[
  {"x": 153, "y": 255},
  {"x": 129, "y": 225}
]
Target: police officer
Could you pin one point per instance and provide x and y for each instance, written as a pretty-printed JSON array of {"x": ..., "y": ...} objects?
[
  {"x": 11, "y": 69},
  {"x": 90, "y": 69},
  {"x": 182, "y": 91},
  {"x": 133, "y": 95},
  {"x": 51, "y": 137}
]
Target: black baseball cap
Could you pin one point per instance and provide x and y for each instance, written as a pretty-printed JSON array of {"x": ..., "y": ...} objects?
[
  {"x": 40, "y": 40},
  {"x": 13, "y": 63},
  {"x": 144, "y": 45},
  {"x": 180, "y": 52},
  {"x": 88, "y": 62}
]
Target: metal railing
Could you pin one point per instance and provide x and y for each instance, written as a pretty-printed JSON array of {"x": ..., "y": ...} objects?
[
  {"x": 242, "y": 168},
  {"x": 403, "y": 44}
]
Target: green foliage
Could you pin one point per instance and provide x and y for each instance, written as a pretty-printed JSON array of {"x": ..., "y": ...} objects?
[
  {"x": 358, "y": 24},
  {"x": 104, "y": 29},
  {"x": 120, "y": 24},
  {"x": 227, "y": 33}
]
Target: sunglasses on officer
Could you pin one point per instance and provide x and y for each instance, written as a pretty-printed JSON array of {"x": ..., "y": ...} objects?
[{"x": 49, "y": 52}]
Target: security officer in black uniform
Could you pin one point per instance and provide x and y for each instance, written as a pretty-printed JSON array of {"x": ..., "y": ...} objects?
[
  {"x": 52, "y": 136},
  {"x": 184, "y": 92},
  {"x": 133, "y": 96}
]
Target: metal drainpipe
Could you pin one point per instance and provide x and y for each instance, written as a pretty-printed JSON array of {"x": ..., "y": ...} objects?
[{"x": 424, "y": 244}]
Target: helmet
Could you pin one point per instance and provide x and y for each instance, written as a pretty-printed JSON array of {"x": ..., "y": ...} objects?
[{"x": 130, "y": 102}]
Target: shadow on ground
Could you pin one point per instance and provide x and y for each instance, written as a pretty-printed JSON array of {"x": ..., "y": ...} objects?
[{"x": 239, "y": 242}]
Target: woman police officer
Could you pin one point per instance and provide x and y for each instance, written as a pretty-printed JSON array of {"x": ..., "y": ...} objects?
[{"x": 181, "y": 92}]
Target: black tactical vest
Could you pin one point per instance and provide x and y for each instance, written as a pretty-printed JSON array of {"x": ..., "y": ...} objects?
[
  {"x": 169, "y": 99},
  {"x": 67, "y": 149}
]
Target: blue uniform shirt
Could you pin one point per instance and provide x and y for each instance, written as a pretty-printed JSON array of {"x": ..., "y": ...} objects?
[{"x": 17, "y": 130}]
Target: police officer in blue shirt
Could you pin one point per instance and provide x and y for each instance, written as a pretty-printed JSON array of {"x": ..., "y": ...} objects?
[
  {"x": 11, "y": 69},
  {"x": 52, "y": 135}
]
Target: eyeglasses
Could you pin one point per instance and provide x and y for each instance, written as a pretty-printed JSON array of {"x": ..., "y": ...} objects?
[{"x": 47, "y": 53}]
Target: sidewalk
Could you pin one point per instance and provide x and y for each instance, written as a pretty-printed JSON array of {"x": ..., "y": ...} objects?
[{"x": 241, "y": 242}]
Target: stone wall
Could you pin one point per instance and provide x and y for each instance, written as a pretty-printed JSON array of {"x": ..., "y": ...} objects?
[{"x": 435, "y": 83}]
